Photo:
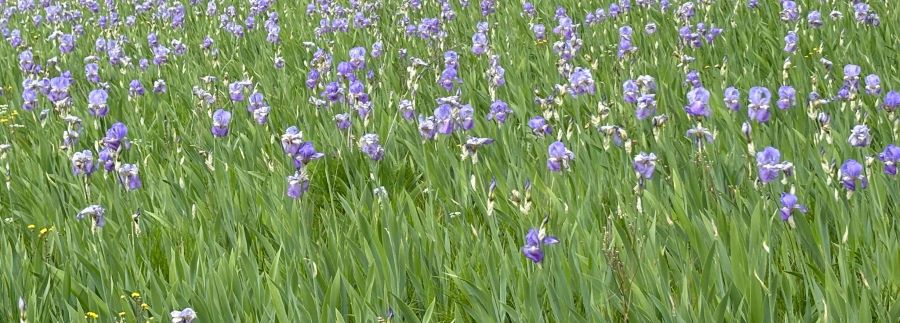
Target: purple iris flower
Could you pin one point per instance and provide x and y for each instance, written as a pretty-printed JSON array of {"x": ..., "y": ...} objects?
[
  {"x": 851, "y": 173},
  {"x": 814, "y": 18},
  {"x": 97, "y": 103},
  {"x": 646, "y": 106},
  {"x": 305, "y": 154},
  {"x": 136, "y": 88},
  {"x": 873, "y": 84},
  {"x": 479, "y": 43},
  {"x": 92, "y": 72},
  {"x": 890, "y": 157},
  {"x": 581, "y": 82},
  {"x": 789, "y": 11},
  {"x": 630, "y": 91},
  {"x": 732, "y": 98},
  {"x": 128, "y": 176},
  {"x": 96, "y": 213},
  {"x": 698, "y": 103},
  {"x": 787, "y": 97},
  {"x": 291, "y": 140},
  {"x": 427, "y": 128},
  {"x": 644, "y": 164},
  {"x": 473, "y": 143},
  {"x": 540, "y": 32},
  {"x": 770, "y": 166},
  {"x": 342, "y": 121},
  {"x": 221, "y": 119},
  {"x": 758, "y": 109},
  {"x": 860, "y": 136},
  {"x": 406, "y": 109},
  {"x": 891, "y": 101},
  {"x": 83, "y": 163},
  {"x": 788, "y": 205},
  {"x": 534, "y": 242},
  {"x": 370, "y": 145},
  {"x": 499, "y": 111},
  {"x": 236, "y": 91},
  {"x": 106, "y": 157},
  {"x": 116, "y": 137},
  {"x": 790, "y": 42},
  {"x": 358, "y": 58},
  {"x": 559, "y": 157},
  {"x": 297, "y": 185}
]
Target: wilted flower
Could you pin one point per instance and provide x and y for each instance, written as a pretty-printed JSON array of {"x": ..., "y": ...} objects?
[
  {"x": 128, "y": 176},
  {"x": 559, "y": 157},
  {"x": 758, "y": 109},
  {"x": 698, "y": 134},
  {"x": 186, "y": 315},
  {"x": 788, "y": 205},
  {"x": 851, "y": 172},
  {"x": 859, "y": 136},
  {"x": 221, "y": 119},
  {"x": 370, "y": 145},
  {"x": 96, "y": 213},
  {"x": 890, "y": 157},
  {"x": 534, "y": 242}
]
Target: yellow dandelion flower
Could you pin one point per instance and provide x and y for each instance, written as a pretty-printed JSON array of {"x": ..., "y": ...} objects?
[
  {"x": 91, "y": 315},
  {"x": 31, "y": 227},
  {"x": 135, "y": 295},
  {"x": 144, "y": 306}
]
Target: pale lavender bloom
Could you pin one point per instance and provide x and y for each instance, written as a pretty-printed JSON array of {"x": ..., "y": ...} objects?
[
  {"x": 770, "y": 166},
  {"x": 186, "y": 315},
  {"x": 732, "y": 98},
  {"x": 539, "y": 32},
  {"x": 261, "y": 115},
  {"x": 159, "y": 86},
  {"x": 499, "y": 111},
  {"x": 96, "y": 213},
  {"x": 473, "y": 143},
  {"x": 787, "y": 97},
  {"x": 581, "y": 82},
  {"x": 342, "y": 121},
  {"x": 698, "y": 103},
  {"x": 128, "y": 176},
  {"x": 559, "y": 157},
  {"x": 890, "y": 157},
  {"x": 788, "y": 205},
  {"x": 873, "y": 84},
  {"x": 698, "y": 134},
  {"x": 291, "y": 140},
  {"x": 644, "y": 164},
  {"x": 891, "y": 101},
  {"x": 539, "y": 126},
  {"x": 236, "y": 91},
  {"x": 136, "y": 88},
  {"x": 83, "y": 163},
  {"x": 106, "y": 157},
  {"x": 814, "y": 18},
  {"x": 406, "y": 109},
  {"x": 630, "y": 91},
  {"x": 370, "y": 145},
  {"x": 305, "y": 154},
  {"x": 97, "y": 103},
  {"x": 790, "y": 42},
  {"x": 758, "y": 109},
  {"x": 789, "y": 11},
  {"x": 221, "y": 119},
  {"x": 859, "y": 136},
  {"x": 646, "y": 106},
  {"x": 427, "y": 128},
  {"x": 851, "y": 173}
]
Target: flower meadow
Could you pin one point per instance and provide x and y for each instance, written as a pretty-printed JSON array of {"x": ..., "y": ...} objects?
[{"x": 449, "y": 161}]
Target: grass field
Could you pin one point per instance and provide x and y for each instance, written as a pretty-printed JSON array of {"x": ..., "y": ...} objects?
[{"x": 194, "y": 210}]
